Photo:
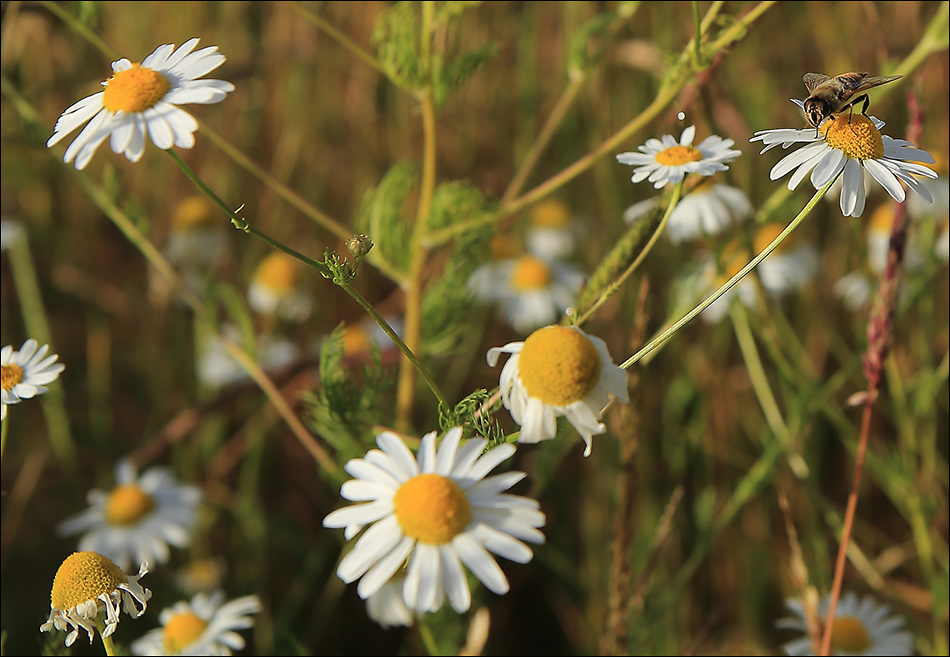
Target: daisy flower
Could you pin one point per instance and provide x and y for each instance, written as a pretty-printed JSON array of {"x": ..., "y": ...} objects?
[
  {"x": 708, "y": 209},
  {"x": 144, "y": 98},
  {"x": 276, "y": 288},
  {"x": 138, "y": 519},
  {"x": 851, "y": 146},
  {"x": 792, "y": 265},
  {"x": 530, "y": 291},
  {"x": 861, "y": 627},
  {"x": 387, "y": 607},
  {"x": 88, "y": 584},
  {"x": 439, "y": 512},
  {"x": 665, "y": 161},
  {"x": 204, "y": 626},
  {"x": 216, "y": 367},
  {"x": 25, "y": 373},
  {"x": 558, "y": 371},
  {"x": 551, "y": 231}
]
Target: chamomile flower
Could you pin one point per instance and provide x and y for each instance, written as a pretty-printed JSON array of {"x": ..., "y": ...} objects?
[
  {"x": 276, "y": 288},
  {"x": 861, "y": 627},
  {"x": 204, "y": 626},
  {"x": 851, "y": 146},
  {"x": 558, "y": 371},
  {"x": 551, "y": 230},
  {"x": 665, "y": 161},
  {"x": 142, "y": 99},
  {"x": 711, "y": 274},
  {"x": 708, "y": 209},
  {"x": 530, "y": 291},
  {"x": 791, "y": 265},
  {"x": 88, "y": 584},
  {"x": 25, "y": 373},
  {"x": 387, "y": 607},
  {"x": 139, "y": 518},
  {"x": 438, "y": 511}
]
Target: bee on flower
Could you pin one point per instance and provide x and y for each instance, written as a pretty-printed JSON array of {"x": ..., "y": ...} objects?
[{"x": 850, "y": 146}]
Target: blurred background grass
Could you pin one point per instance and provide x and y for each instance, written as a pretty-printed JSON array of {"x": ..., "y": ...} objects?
[{"x": 329, "y": 126}]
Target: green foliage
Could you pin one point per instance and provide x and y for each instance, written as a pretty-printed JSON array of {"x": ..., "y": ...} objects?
[
  {"x": 581, "y": 55},
  {"x": 347, "y": 403},
  {"x": 397, "y": 44},
  {"x": 472, "y": 414},
  {"x": 384, "y": 218},
  {"x": 450, "y": 74}
]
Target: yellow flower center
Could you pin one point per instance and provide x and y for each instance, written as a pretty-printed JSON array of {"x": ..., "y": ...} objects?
[
  {"x": 530, "y": 273},
  {"x": 848, "y": 634},
  {"x": 127, "y": 505},
  {"x": 278, "y": 272},
  {"x": 679, "y": 155},
  {"x": 765, "y": 236},
  {"x": 134, "y": 90},
  {"x": 859, "y": 139},
  {"x": 10, "y": 375},
  {"x": 181, "y": 631},
  {"x": 559, "y": 365},
  {"x": 550, "y": 213},
  {"x": 84, "y": 576},
  {"x": 431, "y": 509},
  {"x": 193, "y": 212}
]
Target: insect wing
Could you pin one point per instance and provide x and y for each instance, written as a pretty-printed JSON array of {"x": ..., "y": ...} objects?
[
  {"x": 876, "y": 81},
  {"x": 812, "y": 80}
]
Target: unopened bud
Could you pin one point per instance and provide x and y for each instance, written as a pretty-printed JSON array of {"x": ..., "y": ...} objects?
[{"x": 359, "y": 245}]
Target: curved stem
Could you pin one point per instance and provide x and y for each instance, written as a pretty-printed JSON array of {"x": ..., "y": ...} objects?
[
  {"x": 668, "y": 333},
  {"x": 339, "y": 37}
]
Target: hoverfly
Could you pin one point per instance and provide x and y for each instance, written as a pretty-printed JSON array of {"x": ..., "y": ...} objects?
[{"x": 829, "y": 96}]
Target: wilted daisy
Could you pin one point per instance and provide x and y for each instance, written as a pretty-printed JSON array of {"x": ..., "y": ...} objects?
[
  {"x": 439, "y": 512},
  {"x": 25, "y": 373},
  {"x": 530, "y": 291},
  {"x": 708, "y": 209},
  {"x": 204, "y": 626},
  {"x": 144, "y": 98},
  {"x": 88, "y": 584},
  {"x": 851, "y": 146},
  {"x": 276, "y": 288},
  {"x": 138, "y": 519},
  {"x": 861, "y": 627},
  {"x": 558, "y": 371},
  {"x": 665, "y": 161}
]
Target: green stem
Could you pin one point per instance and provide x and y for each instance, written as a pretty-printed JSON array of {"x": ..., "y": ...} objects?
[
  {"x": 677, "y": 191},
  {"x": 81, "y": 29},
  {"x": 106, "y": 640},
  {"x": 4, "y": 428},
  {"x": 667, "y": 334},
  {"x": 760, "y": 384},
  {"x": 339, "y": 37}
]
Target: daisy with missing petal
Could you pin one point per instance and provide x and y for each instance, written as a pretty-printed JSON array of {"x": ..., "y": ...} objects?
[
  {"x": 558, "y": 371},
  {"x": 88, "y": 584},
  {"x": 144, "y": 98},
  {"x": 664, "y": 161},
  {"x": 850, "y": 146},
  {"x": 138, "y": 519},
  {"x": 204, "y": 626},
  {"x": 25, "y": 373},
  {"x": 439, "y": 512},
  {"x": 861, "y": 627}
]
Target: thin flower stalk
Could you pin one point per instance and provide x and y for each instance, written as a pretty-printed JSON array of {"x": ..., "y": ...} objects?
[{"x": 670, "y": 332}]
